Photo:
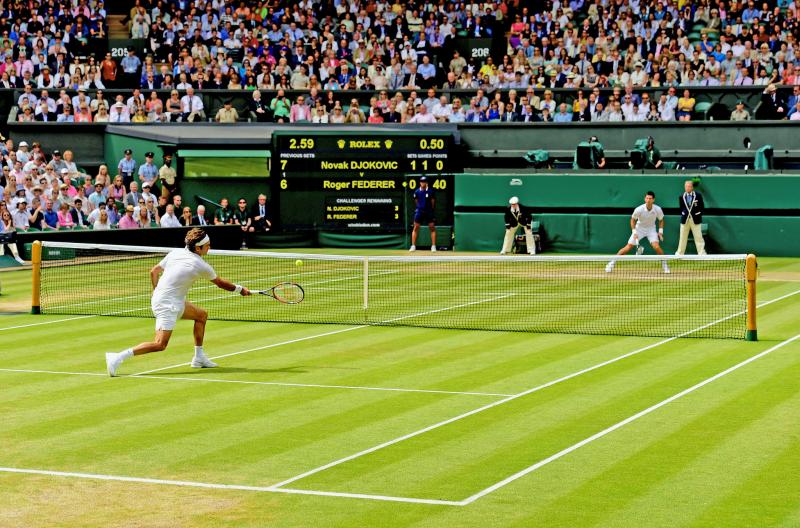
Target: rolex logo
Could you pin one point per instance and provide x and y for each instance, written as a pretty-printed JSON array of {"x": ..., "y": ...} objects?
[
  {"x": 388, "y": 144},
  {"x": 341, "y": 143}
]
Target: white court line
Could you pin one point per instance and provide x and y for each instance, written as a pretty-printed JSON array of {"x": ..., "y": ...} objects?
[
  {"x": 47, "y": 322},
  {"x": 622, "y": 423},
  {"x": 267, "y": 383},
  {"x": 334, "y": 332},
  {"x": 277, "y": 488},
  {"x": 207, "y": 485},
  {"x": 514, "y": 397}
]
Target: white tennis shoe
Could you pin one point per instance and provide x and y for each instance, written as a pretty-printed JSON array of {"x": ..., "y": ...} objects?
[
  {"x": 203, "y": 362},
  {"x": 113, "y": 361},
  {"x": 609, "y": 267},
  {"x": 433, "y": 249},
  {"x": 412, "y": 248}
]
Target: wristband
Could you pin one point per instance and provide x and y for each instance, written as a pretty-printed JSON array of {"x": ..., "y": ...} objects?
[
  {"x": 660, "y": 230},
  {"x": 238, "y": 288}
]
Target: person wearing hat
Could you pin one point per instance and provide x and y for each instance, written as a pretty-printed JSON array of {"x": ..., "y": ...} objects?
[
  {"x": 517, "y": 216},
  {"x": 167, "y": 175},
  {"x": 639, "y": 75},
  {"x": 128, "y": 221},
  {"x": 20, "y": 215},
  {"x": 148, "y": 172},
  {"x": 227, "y": 114},
  {"x": 127, "y": 166},
  {"x": 57, "y": 162},
  {"x": 740, "y": 113},
  {"x": 23, "y": 156},
  {"x": 147, "y": 194},
  {"x": 425, "y": 201},
  {"x": 98, "y": 196},
  {"x": 773, "y": 106},
  {"x": 119, "y": 112},
  {"x": 172, "y": 278}
]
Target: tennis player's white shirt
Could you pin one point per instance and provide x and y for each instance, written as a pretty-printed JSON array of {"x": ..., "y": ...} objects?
[
  {"x": 181, "y": 268},
  {"x": 646, "y": 223}
]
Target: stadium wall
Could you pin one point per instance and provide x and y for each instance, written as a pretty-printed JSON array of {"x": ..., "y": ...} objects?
[
  {"x": 585, "y": 233},
  {"x": 589, "y": 212}
]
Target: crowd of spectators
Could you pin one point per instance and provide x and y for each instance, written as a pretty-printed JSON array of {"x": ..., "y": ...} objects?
[
  {"x": 48, "y": 191},
  {"x": 329, "y": 49}
]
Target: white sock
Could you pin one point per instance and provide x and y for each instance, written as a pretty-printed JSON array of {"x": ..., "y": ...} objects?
[
  {"x": 125, "y": 354},
  {"x": 198, "y": 351}
]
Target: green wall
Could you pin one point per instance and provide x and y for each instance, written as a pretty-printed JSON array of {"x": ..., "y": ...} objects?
[
  {"x": 626, "y": 191},
  {"x": 115, "y": 146},
  {"x": 588, "y": 233}
]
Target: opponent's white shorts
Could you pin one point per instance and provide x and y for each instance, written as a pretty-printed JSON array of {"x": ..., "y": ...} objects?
[
  {"x": 167, "y": 314},
  {"x": 650, "y": 234}
]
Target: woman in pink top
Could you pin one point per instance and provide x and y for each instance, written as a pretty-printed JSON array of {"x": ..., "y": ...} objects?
[
  {"x": 117, "y": 190},
  {"x": 64, "y": 217}
]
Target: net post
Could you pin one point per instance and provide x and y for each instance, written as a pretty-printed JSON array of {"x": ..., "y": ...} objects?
[
  {"x": 366, "y": 283},
  {"x": 751, "y": 272},
  {"x": 36, "y": 289}
]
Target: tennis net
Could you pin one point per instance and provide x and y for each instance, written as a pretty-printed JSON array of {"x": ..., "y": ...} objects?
[{"x": 699, "y": 297}]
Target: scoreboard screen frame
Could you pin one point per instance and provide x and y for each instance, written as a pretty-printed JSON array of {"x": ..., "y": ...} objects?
[
  {"x": 359, "y": 181},
  {"x": 397, "y": 153}
]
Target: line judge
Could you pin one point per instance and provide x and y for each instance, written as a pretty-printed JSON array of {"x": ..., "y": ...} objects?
[
  {"x": 517, "y": 216},
  {"x": 692, "y": 206}
]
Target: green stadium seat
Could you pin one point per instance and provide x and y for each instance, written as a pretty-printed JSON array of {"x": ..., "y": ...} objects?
[
  {"x": 538, "y": 158},
  {"x": 701, "y": 108},
  {"x": 764, "y": 158}
]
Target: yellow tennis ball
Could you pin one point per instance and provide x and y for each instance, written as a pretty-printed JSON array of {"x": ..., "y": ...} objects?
[{"x": 298, "y": 263}]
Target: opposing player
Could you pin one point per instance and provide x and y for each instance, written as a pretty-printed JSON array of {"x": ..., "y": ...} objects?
[
  {"x": 178, "y": 270},
  {"x": 425, "y": 201},
  {"x": 643, "y": 225}
]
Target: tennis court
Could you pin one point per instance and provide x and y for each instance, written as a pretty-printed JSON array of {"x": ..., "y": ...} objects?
[{"x": 357, "y": 425}]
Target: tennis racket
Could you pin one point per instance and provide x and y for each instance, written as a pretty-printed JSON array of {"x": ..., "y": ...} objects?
[
  {"x": 639, "y": 248},
  {"x": 285, "y": 292}
]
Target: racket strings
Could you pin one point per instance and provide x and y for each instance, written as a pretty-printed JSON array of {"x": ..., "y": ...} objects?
[{"x": 288, "y": 292}]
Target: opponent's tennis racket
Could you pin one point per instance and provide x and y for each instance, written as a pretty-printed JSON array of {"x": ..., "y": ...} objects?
[
  {"x": 639, "y": 248},
  {"x": 285, "y": 292}
]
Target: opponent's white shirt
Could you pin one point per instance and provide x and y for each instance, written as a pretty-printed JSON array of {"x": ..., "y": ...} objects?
[
  {"x": 646, "y": 220},
  {"x": 181, "y": 268}
]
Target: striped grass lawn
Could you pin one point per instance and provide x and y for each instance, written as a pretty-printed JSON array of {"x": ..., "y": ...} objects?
[{"x": 289, "y": 399}]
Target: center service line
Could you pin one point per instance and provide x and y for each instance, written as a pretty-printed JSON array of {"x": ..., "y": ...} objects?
[{"x": 334, "y": 332}]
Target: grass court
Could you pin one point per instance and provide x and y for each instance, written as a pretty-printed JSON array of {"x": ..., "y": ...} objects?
[{"x": 351, "y": 425}]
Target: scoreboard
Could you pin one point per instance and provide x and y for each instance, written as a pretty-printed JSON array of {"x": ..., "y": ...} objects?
[{"x": 359, "y": 181}]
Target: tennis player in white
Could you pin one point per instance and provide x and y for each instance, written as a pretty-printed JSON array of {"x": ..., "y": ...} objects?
[
  {"x": 178, "y": 270},
  {"x": 643, "y": 225}
]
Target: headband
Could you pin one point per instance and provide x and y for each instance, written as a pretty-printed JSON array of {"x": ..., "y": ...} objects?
[{"x": 203, "y": 242}]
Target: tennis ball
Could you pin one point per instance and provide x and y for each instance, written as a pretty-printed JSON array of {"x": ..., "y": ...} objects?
[{"x": 298, "y": 263}]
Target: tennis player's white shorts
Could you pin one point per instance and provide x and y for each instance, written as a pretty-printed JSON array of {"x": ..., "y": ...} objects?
[
  {"x": 167, "y": 314},
  {"x": 650, "y": 234}
]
